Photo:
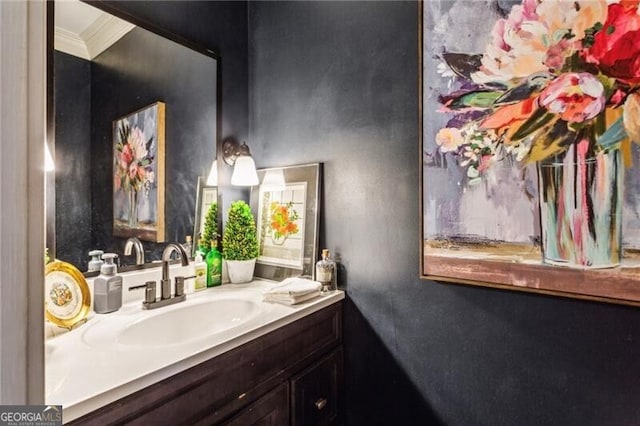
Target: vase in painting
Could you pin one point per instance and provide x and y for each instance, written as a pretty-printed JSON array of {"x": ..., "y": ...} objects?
[{"x": 580, "y": 197}]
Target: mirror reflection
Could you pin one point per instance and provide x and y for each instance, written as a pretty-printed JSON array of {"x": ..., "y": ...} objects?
[{"x": 135, "y": 129}]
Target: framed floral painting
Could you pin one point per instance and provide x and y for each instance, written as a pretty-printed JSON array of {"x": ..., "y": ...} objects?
[
  {"x": 138, "y": 174},
  {"x": 530, "y": 115},
  {"x": 286, "y": 208}
]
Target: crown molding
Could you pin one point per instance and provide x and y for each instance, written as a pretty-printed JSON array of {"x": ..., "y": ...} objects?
[
  {"x": 97, "y": 38},
  {"x": 104, "y": 32},
  {"x": 71, "y": 43}
]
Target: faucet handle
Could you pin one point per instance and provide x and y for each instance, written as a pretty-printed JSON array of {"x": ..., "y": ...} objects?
[
  {"x": 179, "y": 286},
  {"x": 150, "y": 292}
]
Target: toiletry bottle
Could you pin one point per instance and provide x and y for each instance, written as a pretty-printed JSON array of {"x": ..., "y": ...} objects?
[
  {"x": 188, "y": 246},
  {"x": 214, "y": 266},
  {"x": 326, "y": 272},
  {"x": 200, "y": 271},
  {"x": 96, "y": 262},
  {"x": 107, "y": 287}
]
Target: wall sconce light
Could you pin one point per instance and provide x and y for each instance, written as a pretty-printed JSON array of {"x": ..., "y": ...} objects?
[
  {"x": 239, "y": 156},
  {"x": 212, "y": 180},
  {"x": 273, "y": 180}
]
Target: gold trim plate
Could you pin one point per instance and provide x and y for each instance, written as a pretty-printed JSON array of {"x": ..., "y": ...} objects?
[{"x": 67, "y": 298}]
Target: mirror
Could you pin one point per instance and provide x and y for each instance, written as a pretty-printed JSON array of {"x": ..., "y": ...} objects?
[{"x": 107, "y": 76}]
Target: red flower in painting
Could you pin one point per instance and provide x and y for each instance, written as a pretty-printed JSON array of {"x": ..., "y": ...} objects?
[{"x": 616, "y": 47}]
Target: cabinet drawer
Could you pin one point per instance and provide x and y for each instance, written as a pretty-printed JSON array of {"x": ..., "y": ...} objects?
[
  {"x": 270, "y": 410},
  {"x": 315, "y": 392}
]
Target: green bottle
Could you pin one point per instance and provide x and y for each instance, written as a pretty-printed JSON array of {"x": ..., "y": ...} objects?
[{"x": 214, "y": 266}]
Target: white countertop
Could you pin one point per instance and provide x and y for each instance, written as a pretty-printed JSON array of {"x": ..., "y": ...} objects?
[{"x": 84, "y": 373}]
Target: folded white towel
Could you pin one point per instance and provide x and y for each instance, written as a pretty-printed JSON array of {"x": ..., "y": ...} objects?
[
  {"x": 295, "y": 287},
  {"x": 291, "y": 300},
  {"x": 293, "y": 290}
]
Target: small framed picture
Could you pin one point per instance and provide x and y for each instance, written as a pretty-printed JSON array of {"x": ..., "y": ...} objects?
[
  {"x": 206, "y": 196},
  {"x": 286, "y": 206}
]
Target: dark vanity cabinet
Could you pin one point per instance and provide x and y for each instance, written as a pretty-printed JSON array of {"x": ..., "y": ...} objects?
[{"x": 290, "y": 376}]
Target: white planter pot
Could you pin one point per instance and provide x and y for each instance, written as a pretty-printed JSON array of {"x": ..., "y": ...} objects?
[{"x": 240, "y": 271}]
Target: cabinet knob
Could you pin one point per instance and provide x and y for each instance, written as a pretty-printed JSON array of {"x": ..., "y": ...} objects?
[{"x": 320, "y": 403}]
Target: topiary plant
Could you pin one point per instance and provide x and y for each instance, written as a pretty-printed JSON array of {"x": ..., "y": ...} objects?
[
  {"x": 239, "y": 241},
  {"x": 210, "y": 232}
]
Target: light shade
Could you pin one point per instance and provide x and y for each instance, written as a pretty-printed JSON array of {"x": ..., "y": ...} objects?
[
  {"x": 212, "y": 180},
  {"x": 48, "y": 159},
  {"x": 273, "y": 181},
  {"x": 244, "y": 172}
]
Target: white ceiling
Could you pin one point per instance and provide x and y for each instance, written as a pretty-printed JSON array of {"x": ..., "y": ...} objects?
[{"x": 84, "y": 31}]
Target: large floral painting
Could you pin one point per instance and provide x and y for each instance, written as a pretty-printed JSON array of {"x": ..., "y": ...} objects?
[
  {"x": 530, "y": 119},
  {"x": 138, "y": 174}
]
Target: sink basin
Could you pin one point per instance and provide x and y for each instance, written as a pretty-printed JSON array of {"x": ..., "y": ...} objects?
[
  {"x": 174, "y": 326},
  {"x": 188, "y": 323}
]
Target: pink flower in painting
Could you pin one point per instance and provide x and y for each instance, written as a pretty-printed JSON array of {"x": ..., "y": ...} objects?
[
  {"x": 616, "y": 47},
  {"x": 538, "y": 36},
  {"x": 132, "y": 159},
  {"x": 126, "y": 156},
  {"x": 136, "y": 141},
  {"x": 575, "y": 97},
  {"x": 449, "y": 139}
]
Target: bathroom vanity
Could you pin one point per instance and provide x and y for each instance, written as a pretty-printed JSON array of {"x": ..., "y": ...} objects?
[{"x": 222, "y": 357}]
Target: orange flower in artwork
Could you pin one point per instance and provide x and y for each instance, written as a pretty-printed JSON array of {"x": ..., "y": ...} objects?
[{"x": 283, "y": 218}]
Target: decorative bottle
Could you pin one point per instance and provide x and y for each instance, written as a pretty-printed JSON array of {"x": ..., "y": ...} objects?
[
  {"x": 214, "y": 266},
  {"x": 326, "y": 272},
  {"x": 188, "y": 246}
]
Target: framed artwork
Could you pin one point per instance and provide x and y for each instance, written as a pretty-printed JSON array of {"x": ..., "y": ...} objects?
[
  {"x": 138, "y": 174},
  {"x": 206, "y": 196},
  {"x": 529, "y": 170},
  {"x": 286, "y": 206}
]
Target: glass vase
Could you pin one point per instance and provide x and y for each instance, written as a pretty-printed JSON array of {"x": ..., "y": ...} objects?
[
  {"x": 133, "y": 208},
  {"x": 580, "y": 199}
]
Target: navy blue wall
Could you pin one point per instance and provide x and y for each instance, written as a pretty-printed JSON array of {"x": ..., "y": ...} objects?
[
  {"x": 72, "y": 94},
  {"x": 337, "y": 82}
]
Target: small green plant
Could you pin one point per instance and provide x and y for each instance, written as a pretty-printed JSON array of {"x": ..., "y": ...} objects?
[
  {"x": 210, "y": 232},
  {"x": 239, "y": 241}
]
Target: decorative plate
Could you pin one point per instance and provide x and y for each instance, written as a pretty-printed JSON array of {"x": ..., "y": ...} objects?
[{"x": 66, "y": 298}]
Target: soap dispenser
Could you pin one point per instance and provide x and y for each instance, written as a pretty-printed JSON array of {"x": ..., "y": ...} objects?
[
  {"x": 107, "y": 287},
  {"x": 96, "y": 262}
]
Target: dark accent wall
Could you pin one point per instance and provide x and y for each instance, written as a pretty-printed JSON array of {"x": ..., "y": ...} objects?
[
  {"x": 337, "y": 82},
  {"x": 137, "y": 71},
  {"x": 72, "y": 95}
]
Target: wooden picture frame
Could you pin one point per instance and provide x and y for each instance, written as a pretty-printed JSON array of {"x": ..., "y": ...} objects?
[
  {"x": 205, "y": 196},
  {"x": 287, "y": 222},
  {"x": 138, "y": 174},
  {"x": 521, "y": 187}
]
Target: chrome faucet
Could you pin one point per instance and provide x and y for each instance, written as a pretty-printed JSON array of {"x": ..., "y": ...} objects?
[
  {"x": 150, "y": 301},
  {"x": 133, "y": 242},
  {"x": 166, "y": 256}
]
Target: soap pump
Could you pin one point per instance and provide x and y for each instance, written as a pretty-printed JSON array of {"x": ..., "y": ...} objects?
[
  {"x": 107, "y": 287},
  {"x": 96, "y": 262}
]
